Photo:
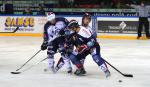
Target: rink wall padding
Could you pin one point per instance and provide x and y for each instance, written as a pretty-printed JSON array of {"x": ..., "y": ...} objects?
[
  {"x": 33, "y": 25},
  {"x": 98, "y": 36},
  {"x": 120, "y": 37}
]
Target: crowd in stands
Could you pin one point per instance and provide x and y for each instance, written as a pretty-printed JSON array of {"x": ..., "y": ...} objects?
[
  {"x": 98, "y": 3},
  {"x": 41, "y": 8}
]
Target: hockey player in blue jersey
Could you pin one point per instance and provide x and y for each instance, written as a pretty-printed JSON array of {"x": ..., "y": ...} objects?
[
  {"x": 53, "y": 39},
  {"x": 85, "y": 42}
]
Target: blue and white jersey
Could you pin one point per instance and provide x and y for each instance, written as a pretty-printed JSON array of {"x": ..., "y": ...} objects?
[
  {"x": 89, "y": 28},
  {"x": 51, "y": 31},
  {"x": 84, "y": 32},
  {"x": 83, "y": 36},
  {"x": 92, "y": 31}
]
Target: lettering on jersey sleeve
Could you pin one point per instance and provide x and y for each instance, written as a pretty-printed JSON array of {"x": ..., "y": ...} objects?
[
  {"x": 84, "y": 32},
  {"x": 88, "y": 33}
]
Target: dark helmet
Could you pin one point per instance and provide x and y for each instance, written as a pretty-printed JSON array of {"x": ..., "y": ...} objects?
[
  {"x": 86, "y": 15},
  {"x": 73, "y": 24}
]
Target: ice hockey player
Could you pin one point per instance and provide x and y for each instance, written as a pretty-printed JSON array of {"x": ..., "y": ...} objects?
[
  {"x": 66, "y": 50},
  {"x": 86, "y": 42},
  {"x": 86, "y": 19},
  {"x": 53, "y": 39}
]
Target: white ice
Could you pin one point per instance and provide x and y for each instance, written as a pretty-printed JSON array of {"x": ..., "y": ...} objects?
[{"x": 129, "y": 56}]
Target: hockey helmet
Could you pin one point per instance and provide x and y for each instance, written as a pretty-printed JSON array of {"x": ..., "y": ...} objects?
[
  {"x": 50, "y": 16},
  {"x": 73, "y": 24},
  {"x": 86, "y": 15}
]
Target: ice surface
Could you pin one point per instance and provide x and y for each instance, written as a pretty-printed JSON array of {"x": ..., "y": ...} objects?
[{"x": 129, "y": 56}]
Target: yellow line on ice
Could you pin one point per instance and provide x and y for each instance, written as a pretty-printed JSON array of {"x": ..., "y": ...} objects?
[{"x": 21, "y": 34}]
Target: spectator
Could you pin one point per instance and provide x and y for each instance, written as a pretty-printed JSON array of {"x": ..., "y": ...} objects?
[
  {"x": 27, "y": 11},
  {"x": 63, "y": 3},
  {"x": 115, "y": 4},
  {"x": 143, "y": 18},
  {"x": 71, "y": 3},
  {"x": 8, "y": 7},
  {"x": 41, "y": 10}
]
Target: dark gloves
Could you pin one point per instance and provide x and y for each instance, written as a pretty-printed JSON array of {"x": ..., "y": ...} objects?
[
  {"x": 44, "y": 45},
  {"x": 61, "y": 32},
  {"x": 64, "y": 32}
]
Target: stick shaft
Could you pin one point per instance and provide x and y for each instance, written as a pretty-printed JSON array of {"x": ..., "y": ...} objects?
[
  {"x": 28, "y": 60},
  {"x": 126, "y": 75},
  {"x": 12, "y": 31},
  {"x": 34, "y": 65}
]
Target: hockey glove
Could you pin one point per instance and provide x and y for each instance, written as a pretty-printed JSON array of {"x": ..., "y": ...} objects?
[
  {"x": 61, "y": 32},
  {"x": 82, "y": 49},
  {"x": 90, "y": 44},
  {"x": 44, "y": 45}
]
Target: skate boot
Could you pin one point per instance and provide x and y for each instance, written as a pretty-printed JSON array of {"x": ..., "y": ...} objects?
[
  {"x": 80, "y": 72},
  {"x": 107, "y": 73},
  {"x": 56, "y": 69},
  {"x": 50, "y": 69},
  {"x": 69, "y": 70}
]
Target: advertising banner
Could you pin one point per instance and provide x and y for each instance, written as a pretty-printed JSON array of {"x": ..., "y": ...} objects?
[
  {"x": 117, "y": 25},
  {"x": 27, "y": 24}
]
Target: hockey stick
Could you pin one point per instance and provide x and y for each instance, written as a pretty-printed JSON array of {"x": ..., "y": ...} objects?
[
  {"x": 33, "y": 65},
  {"x": 125, "y": 75},
  {"x": 12, "y": 31},
  {"x": 16, "y": 72}
]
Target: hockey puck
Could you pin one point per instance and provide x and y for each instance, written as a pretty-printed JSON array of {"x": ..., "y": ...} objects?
[
  {"x": 45, "y": 70},
  {"x": 119, "y": 81}
]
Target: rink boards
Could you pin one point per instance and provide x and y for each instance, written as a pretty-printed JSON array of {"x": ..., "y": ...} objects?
[
  {"x": 107, "y": 27},
  {"x": 28, "y": 25}
]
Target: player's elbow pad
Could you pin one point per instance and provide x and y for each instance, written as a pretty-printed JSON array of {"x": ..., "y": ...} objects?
[{"x": 90, "y": 44}]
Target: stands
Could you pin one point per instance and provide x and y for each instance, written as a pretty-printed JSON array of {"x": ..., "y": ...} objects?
[{"x": 19, "y": 6}]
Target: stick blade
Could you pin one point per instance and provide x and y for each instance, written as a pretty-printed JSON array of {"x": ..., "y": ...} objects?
[
  {"x": 15, "y": 72},
  {"x": 16, "y": 29},
  {"x": 128, "y": 75}
]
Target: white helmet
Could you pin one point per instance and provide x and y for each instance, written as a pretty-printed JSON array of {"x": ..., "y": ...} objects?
[{"x": 50, "y": 16}]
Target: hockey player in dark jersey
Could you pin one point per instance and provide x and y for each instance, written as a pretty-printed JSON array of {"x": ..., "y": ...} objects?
[
  {"x": 86, "y": 19},
  {"x": 67, "y": 49},
  {"x": 53, "y": 39},
  {"x": 86, "y": 42}
]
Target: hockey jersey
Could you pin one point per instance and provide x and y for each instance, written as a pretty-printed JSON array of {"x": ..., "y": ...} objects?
[
  {"x": 51, "y": 31},
  {"x": 92, "y": 31},
  {"x": 83, "y": 36}
]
